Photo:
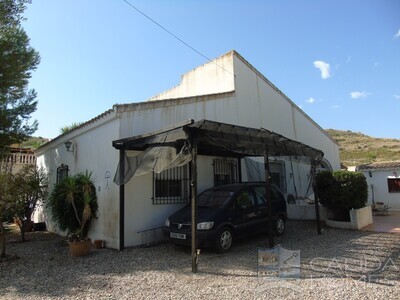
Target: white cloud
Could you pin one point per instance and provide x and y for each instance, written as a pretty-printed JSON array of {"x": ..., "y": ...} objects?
[
  {"x": 335, "y": 106},
  {"x": 323, "y": 67},
  {"x": 396, "y": 97},
  {"x": 359, "y": 95},
  {"x": 310, "y": 100},
  {"x": 397, "y": 35}
]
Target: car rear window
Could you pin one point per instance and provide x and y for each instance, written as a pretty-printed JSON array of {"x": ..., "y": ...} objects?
[{"x": 214, "y": 198}]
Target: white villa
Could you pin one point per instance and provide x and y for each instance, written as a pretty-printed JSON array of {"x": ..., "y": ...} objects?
[{"x": 228, "y": 90}]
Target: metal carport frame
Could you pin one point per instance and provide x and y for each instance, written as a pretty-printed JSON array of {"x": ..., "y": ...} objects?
[{"x": 218, "y": 139}]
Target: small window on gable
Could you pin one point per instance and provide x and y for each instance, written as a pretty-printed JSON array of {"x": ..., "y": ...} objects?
[
  {"x": 393, "y": 185},
  {"x": 62, "y": 173},
  {"x": 171, "y": 186}
]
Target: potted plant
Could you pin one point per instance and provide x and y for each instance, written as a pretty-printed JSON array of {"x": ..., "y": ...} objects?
[{"x": 73, "y": 203}]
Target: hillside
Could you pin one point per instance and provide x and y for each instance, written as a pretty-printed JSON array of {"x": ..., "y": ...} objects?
[{"x": 357, "y": 148}]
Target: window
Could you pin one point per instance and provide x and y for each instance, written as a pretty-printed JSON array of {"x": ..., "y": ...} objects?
[
  {"x": 394, "y": 185},
  {"x": 245, "y": 199},
  {"x": 62, "y": 173},
  {"x": 225, "y": 171},
  {"x": 171, "y": 186},
  {"x": 277, "y": 173},
  {"x": 260, "y": 194}
]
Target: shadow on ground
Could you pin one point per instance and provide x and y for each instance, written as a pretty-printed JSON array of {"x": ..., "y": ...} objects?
[{"x": 46, "y": 270}]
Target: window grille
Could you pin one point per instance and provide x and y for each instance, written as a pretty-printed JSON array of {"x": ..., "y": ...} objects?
[
  {"x": 225, "y": 171},
  {"x": 62, "y": 173},
  {"x": 171, "y": 186}
]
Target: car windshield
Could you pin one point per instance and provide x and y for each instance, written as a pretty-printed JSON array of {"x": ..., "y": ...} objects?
[{"x": 214, "y": 198}]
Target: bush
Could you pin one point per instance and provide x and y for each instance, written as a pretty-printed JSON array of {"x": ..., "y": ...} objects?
[
  {"x": 342, "y": 191},
  {"x": 73, "y": 203}
]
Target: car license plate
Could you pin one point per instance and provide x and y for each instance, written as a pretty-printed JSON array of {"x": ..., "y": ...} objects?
[{"x": 180, "y": 236}]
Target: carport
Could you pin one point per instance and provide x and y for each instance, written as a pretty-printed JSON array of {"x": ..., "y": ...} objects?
[{"x": 180, "y": 144}]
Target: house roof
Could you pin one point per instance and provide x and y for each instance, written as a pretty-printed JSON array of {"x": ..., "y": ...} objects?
[
  {"x": 221, "y": 139},
  {"x": 137, "y": 106},
  {"x": 385, "y": 165}
]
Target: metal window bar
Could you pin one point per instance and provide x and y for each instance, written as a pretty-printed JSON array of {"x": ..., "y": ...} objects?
[
  {"x": 225, "y": 171},
  {"x": 171, "y": 186},
  {"x": 62, "y": 173}
]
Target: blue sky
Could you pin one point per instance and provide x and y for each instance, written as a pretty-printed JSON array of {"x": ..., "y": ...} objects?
[{"x": 338, "y": 60}]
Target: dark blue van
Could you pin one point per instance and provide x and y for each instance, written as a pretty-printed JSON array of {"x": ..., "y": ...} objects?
[{"x": 226, "y": 213}]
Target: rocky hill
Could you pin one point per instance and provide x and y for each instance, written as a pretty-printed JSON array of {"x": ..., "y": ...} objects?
[{"x": 357, "y": 148}]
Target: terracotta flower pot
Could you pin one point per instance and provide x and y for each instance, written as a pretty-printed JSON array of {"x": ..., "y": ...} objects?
[
  {"x": 98, "y": 244},
  {"x": 80, "y": 248}
]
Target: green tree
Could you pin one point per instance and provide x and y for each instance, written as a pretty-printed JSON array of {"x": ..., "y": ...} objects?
[
  {"x": 17, "y": 60},
  {"x": 30, "y": 187},
  {"x": 6, "y": 205}
]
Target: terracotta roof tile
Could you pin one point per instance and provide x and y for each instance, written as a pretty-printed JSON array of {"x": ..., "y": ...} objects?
[{"x": 380, "y": 165}]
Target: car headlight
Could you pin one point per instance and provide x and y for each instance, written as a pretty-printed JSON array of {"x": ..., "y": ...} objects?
[
  {"x": 167, "y": 222},
  {"x": 205, "y": 225}
]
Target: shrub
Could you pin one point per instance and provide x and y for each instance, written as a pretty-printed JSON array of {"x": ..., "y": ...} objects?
[
  {"x": 73, "y": 203},
  {"x": 30, "y": 187},
  {"x": 342, "y": 191}
]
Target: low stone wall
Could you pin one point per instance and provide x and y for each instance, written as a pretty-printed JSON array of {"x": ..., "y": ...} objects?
[{"x": 359, "y": 218}]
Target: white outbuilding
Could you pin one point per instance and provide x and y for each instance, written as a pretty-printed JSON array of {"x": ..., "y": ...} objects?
[
  {"x": 383, "y": 179},
  {"x": 227, "y": 92}
]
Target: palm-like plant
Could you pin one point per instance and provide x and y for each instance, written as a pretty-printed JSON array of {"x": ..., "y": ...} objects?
[
  {"x": 71, "y": 189},
  {"x": 73, "y": 203},
  {"x": 88, "y": 191}
]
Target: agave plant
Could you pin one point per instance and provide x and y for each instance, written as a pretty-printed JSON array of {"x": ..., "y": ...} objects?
[{"x": 73, "y": 203}]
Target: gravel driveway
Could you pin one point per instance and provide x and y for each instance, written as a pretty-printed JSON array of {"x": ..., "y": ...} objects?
[{"x": 339, "y": 264}]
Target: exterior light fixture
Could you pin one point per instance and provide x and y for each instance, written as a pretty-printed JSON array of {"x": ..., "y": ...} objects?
[
  {"x": 69, "y": 146},
  {"x": 370, "y": 174}
]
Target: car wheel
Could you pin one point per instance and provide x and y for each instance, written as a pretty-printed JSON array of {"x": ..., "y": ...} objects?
[
  {"x": 280, "y": 226},
  {"x": 224, "y": 239}
]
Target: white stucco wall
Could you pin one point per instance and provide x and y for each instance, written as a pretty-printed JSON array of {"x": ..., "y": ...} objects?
[
  {"x": 268, "y": 108},
  {"x": 210, "y": 78},
  {"x": 380, "y": 188},
  {"x": 140, "y": 212},
  {"x": 93, "y": 152},
  {"x": 255, "y": 103}
]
